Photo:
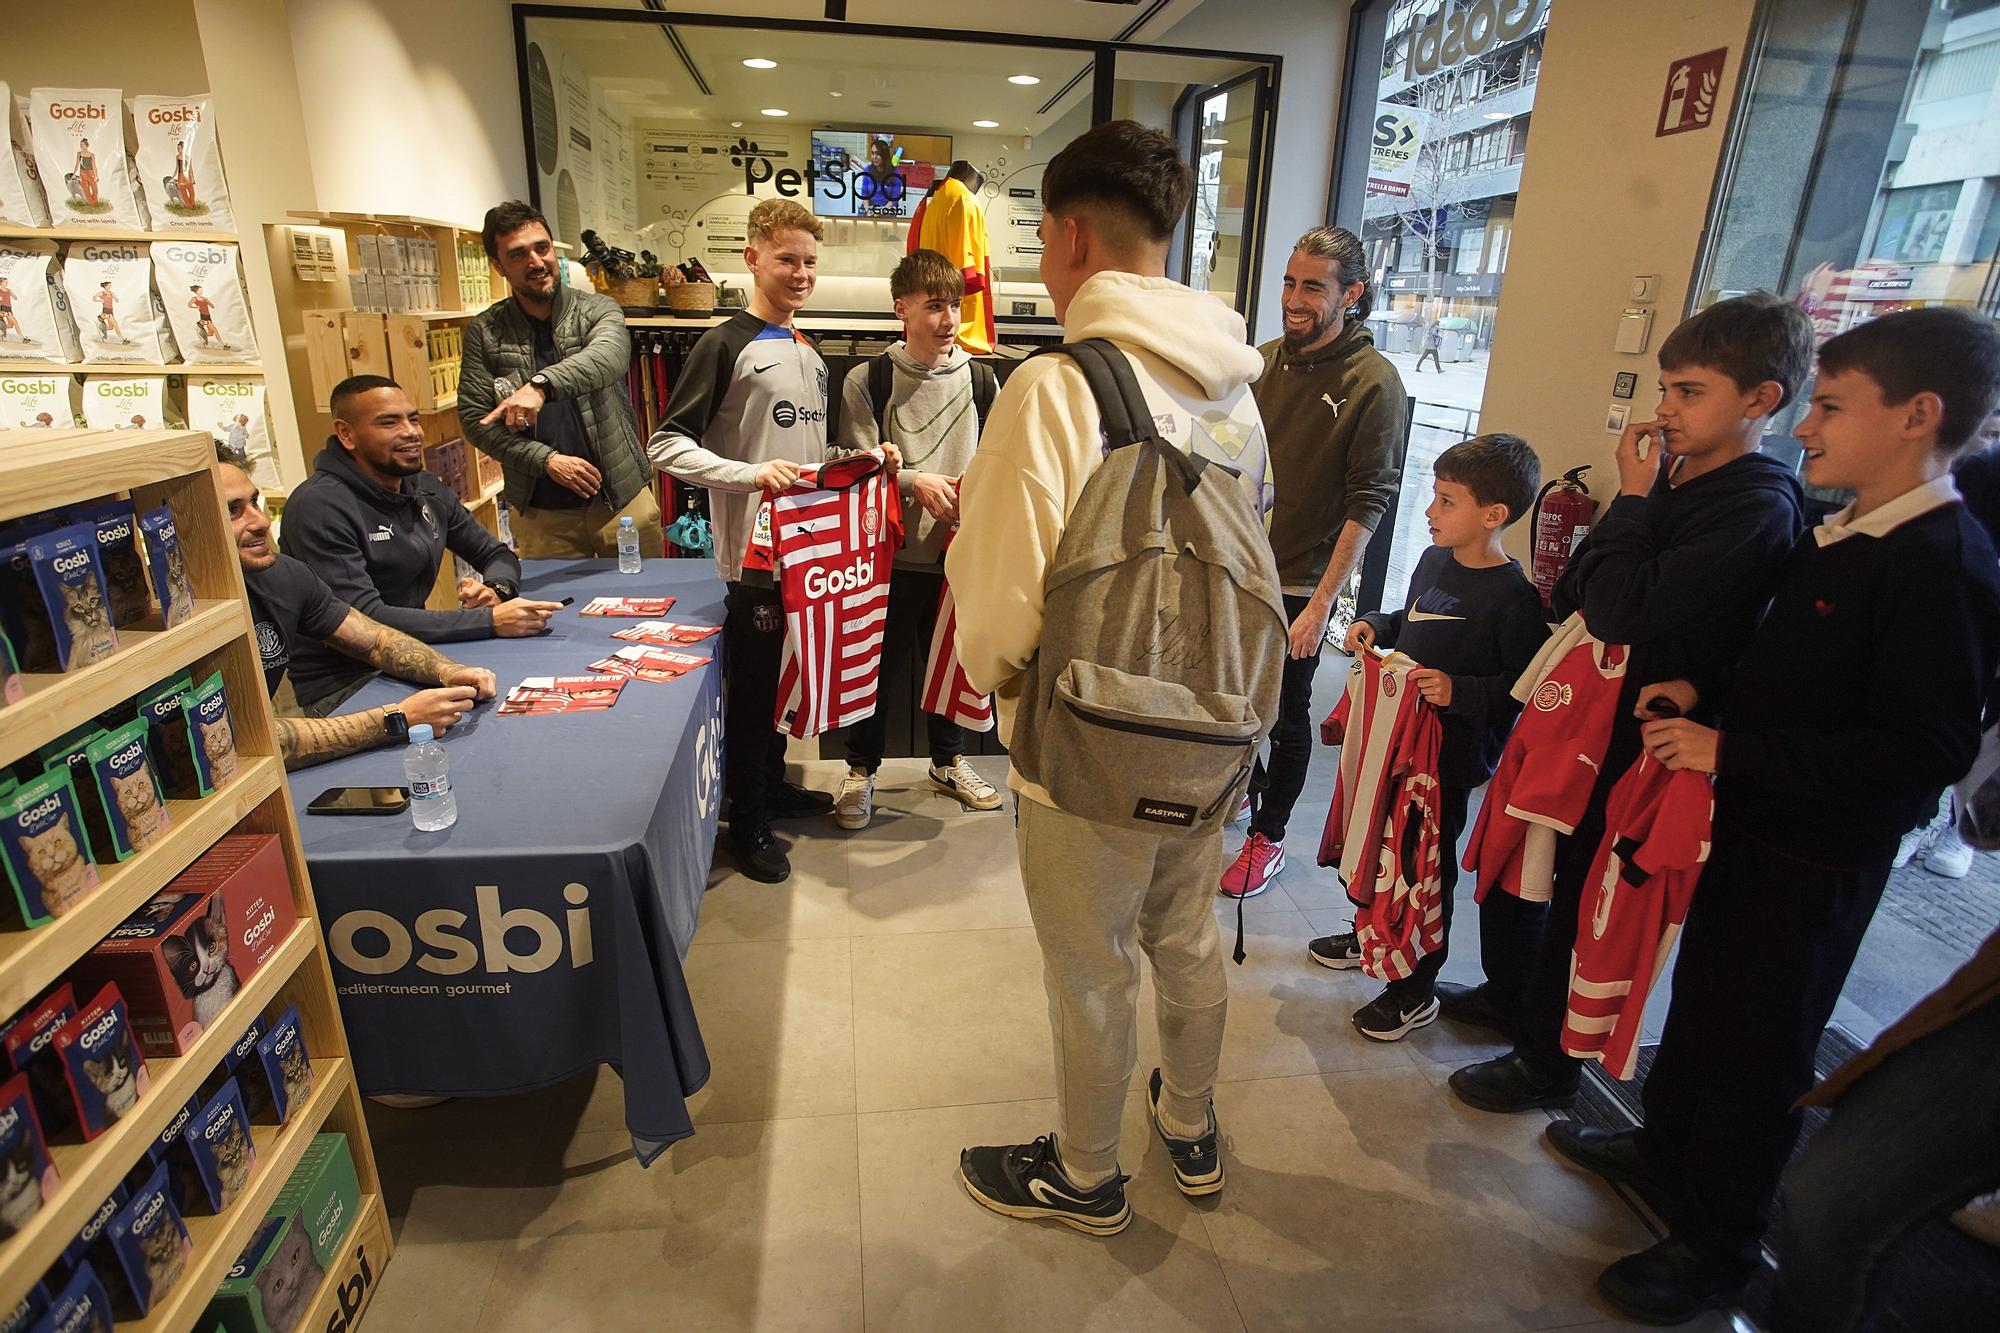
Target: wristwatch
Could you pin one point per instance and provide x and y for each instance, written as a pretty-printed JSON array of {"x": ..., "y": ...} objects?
[
  {"x": 395, "y": 726},
  {"x": 505, "y": 589},
  {"x": 541, "y": 381}
]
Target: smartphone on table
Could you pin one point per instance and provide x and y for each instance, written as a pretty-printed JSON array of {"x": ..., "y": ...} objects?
[{"x": 360, "y": 801}]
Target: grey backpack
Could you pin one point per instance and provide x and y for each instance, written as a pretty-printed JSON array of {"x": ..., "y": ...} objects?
[{"x": 1163, "y": 632}]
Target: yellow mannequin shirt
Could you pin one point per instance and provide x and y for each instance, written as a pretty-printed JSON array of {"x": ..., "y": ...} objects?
[{"x": 955, "y": 227}]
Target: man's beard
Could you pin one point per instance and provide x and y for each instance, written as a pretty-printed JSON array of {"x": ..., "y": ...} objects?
[{"x": 1298, "y": 342}]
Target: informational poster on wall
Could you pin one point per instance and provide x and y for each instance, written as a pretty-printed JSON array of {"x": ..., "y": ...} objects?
[
  {"x": 697, "y": 182},
  {"x": 1019, "y": 243}
]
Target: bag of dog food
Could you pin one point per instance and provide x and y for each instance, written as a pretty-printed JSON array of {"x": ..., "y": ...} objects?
[
  {"x": 27, "y": 1175},
  {"x": 110, "y": 288},
  {"x": 118, "y": 556},
  {"x": 72, "y": 583},
  {"x": 209, "y": 731},
  {"x": 135, "y": 809},
  {"x": 35, "y": 321},
  {"x": 180, "y": 168},
  {"x": 203, "y": 293},
  {"x": 167, "y": 566},
  {"x": 232, "y": 411},
  {"x": 38, "y": 401},
  {"x": 79, "y": 142},
  {"x": 43, "y": 845},
  {"x": 121, "y": 402},
  {"x": 21, "y": 199}
]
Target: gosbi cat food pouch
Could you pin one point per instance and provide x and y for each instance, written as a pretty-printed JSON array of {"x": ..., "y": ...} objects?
[
  {"x": 23, "y": 618},
  {"x": 240, "y": 1063},
  {"x": 27, "y": 1174},
  {"x": 203, "y": 295},
  {"x": 170, "y": 962},
  {"x": 210, "y": 734},
  {"x": 36, "y": 322},
  {"x": 82, "y": 1305},
  {"x": 125, "y": 402},
  {"x": 107, "y": 1074},
  {"x": 169, "y": 1147},
  {"x": 284, "y": 1071},
  {"x": 22, "y": 202},
  {"x": 169, "y": 737},
  {"x": 118, "y": 317},
  {"x": 29, "y": 1309},
  {"x": 179, "y": 165},
  {"x": 135, "y": 809},
  {"x": 78, "y": 1250},
  {"x": 117, "y": 532},
  {"x": 71, "y": 754},
  {"x": 45, "y": 848},
  {"x": 218, "y": 1138},
  {"x": 72, "y": 584},
  {"x": 79, "y": 138},
  {"x": 149, "y": 1245},
  {"x": 167, "y": 565},
  {"x": 29, "y": 1043},
  {"x": 11, "y": 689}
]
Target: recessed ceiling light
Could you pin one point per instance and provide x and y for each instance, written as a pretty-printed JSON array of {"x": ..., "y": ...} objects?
[
  {"x": 735, "y": 124},
  {"x": 836, "y": 93},
  {"x": 881, "y": 104},
  {"x": 1216, "y": 142},
  {"x": 1025, "y": 80},
  {"x": 1499, "y": 115},
  {"x": 774, "y": 111},
  {"x": 985, "y": 124},
  {"x": 758, "y": 62}
]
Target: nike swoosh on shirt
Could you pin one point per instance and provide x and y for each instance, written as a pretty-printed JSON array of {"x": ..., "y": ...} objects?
[
  {"x": 761, "y": 369},
  {"x": 1430, "y": 615}
]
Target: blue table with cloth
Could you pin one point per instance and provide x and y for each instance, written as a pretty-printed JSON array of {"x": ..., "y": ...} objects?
[{"x": 542, "y": 934}]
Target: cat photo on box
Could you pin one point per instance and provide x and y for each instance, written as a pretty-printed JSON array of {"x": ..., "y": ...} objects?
[
  {"x": 71, "y": 755},
  {"x": 284, "y": 1069},
  {"x": 274, "y": 1279},
  {"x": 27, "y": 1173},
  {"x": 44, "y": 846},
  {"x": 107, "y": 1075},
  {"x": 170, "y": 961},
  {"x": 29, "y": 1044}
]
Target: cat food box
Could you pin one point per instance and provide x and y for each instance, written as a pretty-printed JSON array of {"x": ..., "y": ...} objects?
[
  {"x": 82, "y": 1306},
  {"x": 30, "y": 1046},
  {"x": 164, "y": 561},
  {"x": 107, "y": 1074},
  {"x": 71, "y": 755},
  {"x": 148, "y": 1246},
  {"x": 273, "y": 1281},
  {"x": 326, "y": 1193},
  {"x": 116, "y": 529},
  {"x": 31, "y": 1308},
  {"x": 249, "y": 871},
  {"x": 72, "y": 583},
  {"x": 121, "y": 771},
  {"x": 210, "y": 735},
  {"x": 282, "y": 1067},
  {"x": 45, "y": 849},
  {"x": 27, "y": 1175},
  {"x": 169, "y": 737},
  {"x": 218, "y": 1139},
  {"x": 170, "y": 961}
]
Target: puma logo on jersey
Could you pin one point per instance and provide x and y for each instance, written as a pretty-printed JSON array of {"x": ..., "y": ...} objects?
[{"x": 1327, "y": 398}]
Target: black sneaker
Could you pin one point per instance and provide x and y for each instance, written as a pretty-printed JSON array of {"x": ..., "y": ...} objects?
[
  {"x": 788, "y": 800},
  {"x": 1472, "y": 1006},
  {"x": 1026, "y": 1180},
  {"x": 1197, "y": 1162},
  {"x": 758, "y": 854},
  {"x": 1389, "y": 1016},
  {"x": 1336, "y": 951}
]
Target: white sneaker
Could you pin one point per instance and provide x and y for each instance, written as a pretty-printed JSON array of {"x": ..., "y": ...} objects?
[
  {"x": 961, "y": 780},
  {"x": 1949, "y": 856},
  {"x": 1912, "y": 846},
  {"x": 855, "y": 805}
]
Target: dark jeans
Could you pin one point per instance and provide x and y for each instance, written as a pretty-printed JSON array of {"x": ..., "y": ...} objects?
[
  {"x": 1292, "y": 738},
  {"x": 906, "y": 637},
  {"x": 1543, "y": 987},
  {"x": 753, "y": 647},
  {"x": 1766, "y": 949},
  {"x": 1430, "y": 355},
  {"x": 1914, "y": 1138},
  {"x": 1421, "y": 984}
]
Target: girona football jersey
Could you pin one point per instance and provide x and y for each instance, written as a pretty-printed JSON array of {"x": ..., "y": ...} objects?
[
  {"x": 1656, "y": 835},
  {"x": 947, "y": 692},
  {"x": 829, "y": 538},
  {"x": 1551, "y": 763}
]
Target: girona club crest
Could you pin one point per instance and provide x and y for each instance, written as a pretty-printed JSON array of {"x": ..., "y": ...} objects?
[
  {"x": 871, "y": 520},
  {"x": 1551, "y": 695},
  {"x": 1389, "y": 686}
]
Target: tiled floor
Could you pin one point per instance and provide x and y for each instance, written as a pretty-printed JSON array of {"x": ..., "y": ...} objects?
[{"x": 885, "y": 1009}]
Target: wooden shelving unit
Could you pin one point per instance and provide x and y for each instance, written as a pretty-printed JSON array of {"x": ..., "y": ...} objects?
[
  {"x": 11, "y": 232},
  {"x": 42, "y": 470},
  {"x": 249, "y": 369}
]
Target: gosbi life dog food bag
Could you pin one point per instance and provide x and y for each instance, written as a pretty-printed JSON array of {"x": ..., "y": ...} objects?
[
  {"x": 118, "y": 318},
  {"x": 120, "y": 402},
  {"x": 79, "y": 141},
  {"x": 35, "y": 321},
  {"x": 37, "y": 401},
  {"x": 203, "y": 294},
  {"x": 232, "y": 410},
  {"x": 21, "y": 200},
  {"x": 180, "y": 168}
]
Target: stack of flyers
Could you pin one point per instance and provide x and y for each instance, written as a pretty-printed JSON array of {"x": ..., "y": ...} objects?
[
  {"x": 656, "y": 664},
  {"x": 562, "y": 694},
  {"x": 665, "y": 633},
  {"x": 646, "y": 608}
]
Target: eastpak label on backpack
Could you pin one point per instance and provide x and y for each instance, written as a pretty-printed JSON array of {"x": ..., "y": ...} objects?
[{"x": 1163, "y": 631}]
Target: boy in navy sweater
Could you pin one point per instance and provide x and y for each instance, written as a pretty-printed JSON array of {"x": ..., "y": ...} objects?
[
  {"x": 1678, "y": 569},
  {"x": 1474, "y": 623},
  {"x": 1858, "y": 699}
]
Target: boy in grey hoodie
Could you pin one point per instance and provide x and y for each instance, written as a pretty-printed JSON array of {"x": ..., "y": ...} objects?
[
  {"x": 931, "y": 416},
  {"x": 1099, "y": 895}
]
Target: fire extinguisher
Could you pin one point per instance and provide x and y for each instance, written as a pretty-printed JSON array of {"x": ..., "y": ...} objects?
[{"x": 1561, "y": 520}]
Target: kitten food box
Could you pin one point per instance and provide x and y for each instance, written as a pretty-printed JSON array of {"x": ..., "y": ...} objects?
[
  {"x": 326, "y": 1192},
  {"x": 107, "y": 1074},
  {"x": 218, "y": 1139},
  {"x": 170, "y": 961},
  {"x": 44, "y": 847},
  {"x": 72, "y": 583},
  {"x": 82, "y": 1306},
  {"x": 249, "y": 871},
  {"x": 148, "y": 1245},
  {"x": 27, "y": 1175},
  {"x": 272, "y": 1282},
  {"x": 30, "y": 1046},
  {"x": 121, "y": 770}
]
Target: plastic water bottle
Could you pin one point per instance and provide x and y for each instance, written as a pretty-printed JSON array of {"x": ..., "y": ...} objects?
[
  {"x": 628, "y": 547},
  {"x": 428, "y": 767}
]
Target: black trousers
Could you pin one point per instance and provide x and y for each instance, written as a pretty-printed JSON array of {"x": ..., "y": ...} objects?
[
  {"x": 1766, "y": 950},
  {"x": 753, "y": 647},
  {"x": 906, "y": 637},
  {"x": 1421, "y": 984},
  {"x": 1293, "y": 736},
  {"x": 1548, "y": 932}
]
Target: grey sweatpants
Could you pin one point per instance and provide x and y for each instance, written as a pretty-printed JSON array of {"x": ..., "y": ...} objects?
[{"x": 1095, "y": 892}]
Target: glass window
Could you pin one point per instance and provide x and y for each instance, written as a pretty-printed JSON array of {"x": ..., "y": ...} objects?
[{"x": 1915, "y": 222}]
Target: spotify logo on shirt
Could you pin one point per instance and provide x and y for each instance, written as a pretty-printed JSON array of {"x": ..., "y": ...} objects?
[{"x": 788, "y": 414}]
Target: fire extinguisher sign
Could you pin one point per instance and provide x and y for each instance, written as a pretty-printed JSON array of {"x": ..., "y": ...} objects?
[{"x": 1694, "y": 86}]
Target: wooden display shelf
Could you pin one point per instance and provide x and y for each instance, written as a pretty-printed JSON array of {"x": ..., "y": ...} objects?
[
  {"x": 90, "y": 1171},
  {"x": 448, "y": 403},
  {"x": 80, "y": 233},
  {"x": 33, "y": 960},
  {"x": 359, "y": 1258},
  {"x": 240, "y": 368},
  {"x": 219, "y": 1238},
  {"x": 57, "y": 702},
  {"x": 47, "y": 469}
]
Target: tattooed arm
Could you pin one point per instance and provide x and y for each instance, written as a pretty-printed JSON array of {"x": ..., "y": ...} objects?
[
  {"x": 314, "y": 740},
  {"x": 394, "y": 653}
]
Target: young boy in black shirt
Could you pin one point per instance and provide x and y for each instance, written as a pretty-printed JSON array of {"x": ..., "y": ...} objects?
[
  {"x": 1857, "y": 700},
  {"x": 1473, "y": 621}
]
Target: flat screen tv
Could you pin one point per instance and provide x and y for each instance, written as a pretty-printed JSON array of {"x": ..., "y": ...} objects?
[{"x": 875, "y": 173}]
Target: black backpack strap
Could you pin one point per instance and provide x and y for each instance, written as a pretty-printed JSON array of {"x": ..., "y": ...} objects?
[
  {"x": 985, "y": 384},
  {"x": 881, "y": 384}
]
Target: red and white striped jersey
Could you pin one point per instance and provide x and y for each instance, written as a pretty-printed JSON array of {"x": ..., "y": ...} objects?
[
  {"x": 1656, "y": 836},
  {"x": 829, "y": 538},
  {"x": 1384, "y": 828},
  {"x": 947, "y": 692}
]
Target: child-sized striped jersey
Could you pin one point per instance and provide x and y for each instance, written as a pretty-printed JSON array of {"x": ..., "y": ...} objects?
[
  {"x": 947, "y": 692},
  {"x": 829, "y": 538}
]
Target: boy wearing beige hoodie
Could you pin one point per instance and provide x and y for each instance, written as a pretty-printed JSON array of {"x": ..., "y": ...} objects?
[{"x": 1098, "y": 895}]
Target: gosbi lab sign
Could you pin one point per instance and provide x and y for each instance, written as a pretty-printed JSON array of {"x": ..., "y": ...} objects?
[{"x": 1466, "y": 31}]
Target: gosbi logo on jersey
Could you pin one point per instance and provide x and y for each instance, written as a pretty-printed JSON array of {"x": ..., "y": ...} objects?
[
  {"x": 1551, "y": 695},
  {"x": 821, "y": 582}
]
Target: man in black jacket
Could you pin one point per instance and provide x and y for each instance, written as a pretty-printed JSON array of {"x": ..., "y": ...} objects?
[{"x": 374, "y": 525}]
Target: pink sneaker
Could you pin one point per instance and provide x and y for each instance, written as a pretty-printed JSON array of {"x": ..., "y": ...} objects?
[{"x": 1254, "y": 868}]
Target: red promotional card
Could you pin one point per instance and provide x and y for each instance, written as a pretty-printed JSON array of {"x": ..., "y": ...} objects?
[
  {"x": 666, "y": 634},
  {"x": 562, "y": 694},
  {"x": 655, "y": 664},
  {"x": 644, "y": 608}
]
